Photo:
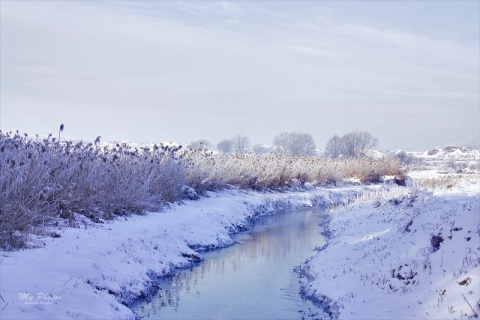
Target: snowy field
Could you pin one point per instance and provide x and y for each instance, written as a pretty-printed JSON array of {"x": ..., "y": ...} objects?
[
  {"x": 409, "y": 255},
  {"x": 393, "y": 252}
]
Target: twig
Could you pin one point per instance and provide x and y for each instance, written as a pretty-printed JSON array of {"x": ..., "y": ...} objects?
[
  {"x": 5, "y": 305},
  {"x": 2, "y": 298},
  {"x": 68, "y": 280},
  {"x": 381, "y": 260},
  {"x": 474, "y": 313},
  {"x": 75, "y": 284}
]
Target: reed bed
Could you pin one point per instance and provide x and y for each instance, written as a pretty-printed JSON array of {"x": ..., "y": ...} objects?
[{"x": 43, "y": 181}]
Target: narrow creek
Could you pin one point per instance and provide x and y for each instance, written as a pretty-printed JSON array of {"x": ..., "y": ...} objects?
[{"x": 254, "y": 279}]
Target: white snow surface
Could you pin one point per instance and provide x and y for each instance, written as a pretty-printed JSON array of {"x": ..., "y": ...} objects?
[
  {"x": 410, "y": 256},
  {"x": 379, "y": 262},
  {"x": 92, "y": 271},
  {"x": 451, "y": 153}
]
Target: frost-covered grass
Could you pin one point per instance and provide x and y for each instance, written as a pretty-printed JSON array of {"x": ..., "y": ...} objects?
[
  {"x": 447, "y": 181},
  {"x": 403, "y": 253},
  {"x": 277, "y": 171},
  {"x": 42, "y": 181},
  {"x": 45, "y": 181}
]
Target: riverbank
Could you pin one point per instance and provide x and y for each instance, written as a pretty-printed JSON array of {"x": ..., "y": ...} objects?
[
  {"x": 407, "y": 257},
  {"x": 93, "y": 271}
]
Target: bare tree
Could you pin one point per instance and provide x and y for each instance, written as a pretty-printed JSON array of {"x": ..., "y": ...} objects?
[
  {"x": 334, "y": 148},
  {"x": 240, "y": 144},
  {"x": 225, "y": 146},
  {"x": 357, "y": 143},
  {"x": 280, "y": 142},
  {"x": 352, "y": 145},
  {"x": 295, "y": 143}
]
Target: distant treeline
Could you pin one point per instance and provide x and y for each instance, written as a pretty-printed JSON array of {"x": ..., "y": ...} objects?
[{"x": 354, "y": 144}]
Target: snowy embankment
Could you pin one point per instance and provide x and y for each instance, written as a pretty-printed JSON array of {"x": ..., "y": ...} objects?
[
  {"x": 93, "y": 271},
  {"x": 415, "y": 255}
]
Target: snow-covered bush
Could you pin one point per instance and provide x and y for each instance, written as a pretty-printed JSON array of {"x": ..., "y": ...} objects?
[{"x": 406, "y": 158}]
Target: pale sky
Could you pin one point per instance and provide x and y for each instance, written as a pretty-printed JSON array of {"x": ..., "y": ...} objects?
[{"x": 150, "y": 71}]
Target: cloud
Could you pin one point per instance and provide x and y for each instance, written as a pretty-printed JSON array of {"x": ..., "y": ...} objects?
[
  {"x": 185, "y": 71},
  {"x": 316, "y": 51}
]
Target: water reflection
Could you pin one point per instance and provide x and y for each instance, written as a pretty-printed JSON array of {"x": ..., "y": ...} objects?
[{"x": 251, "y": 280}]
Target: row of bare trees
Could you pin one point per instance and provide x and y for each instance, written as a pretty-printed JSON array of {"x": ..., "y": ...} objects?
[
  {"x": 238, "y": 144},
  {"x": 352, "y": 145}
]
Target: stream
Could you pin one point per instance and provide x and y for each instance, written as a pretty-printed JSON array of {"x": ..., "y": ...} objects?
[{"x": 254, "y": 279}]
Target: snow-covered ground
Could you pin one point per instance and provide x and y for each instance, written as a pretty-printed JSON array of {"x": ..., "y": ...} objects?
[
  {"x": 403, "y": 256},
  {"x": 393, "y": 252},
  {"x": 88, "y": 272},
  {"x": 451, "y": 158},
  {"x": 451, "y": 153}
]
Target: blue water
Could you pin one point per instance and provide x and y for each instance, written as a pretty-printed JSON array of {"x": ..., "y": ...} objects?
[{"x": 253, "y": 279}]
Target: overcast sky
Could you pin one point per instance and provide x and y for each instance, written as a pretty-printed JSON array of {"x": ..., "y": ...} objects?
[{"x": 407, "y": 71}]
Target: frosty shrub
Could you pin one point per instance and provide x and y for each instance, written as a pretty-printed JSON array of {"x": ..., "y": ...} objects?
[
  {"x": 46, "y": 181},
  {"x": 406, "y": 158}
]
